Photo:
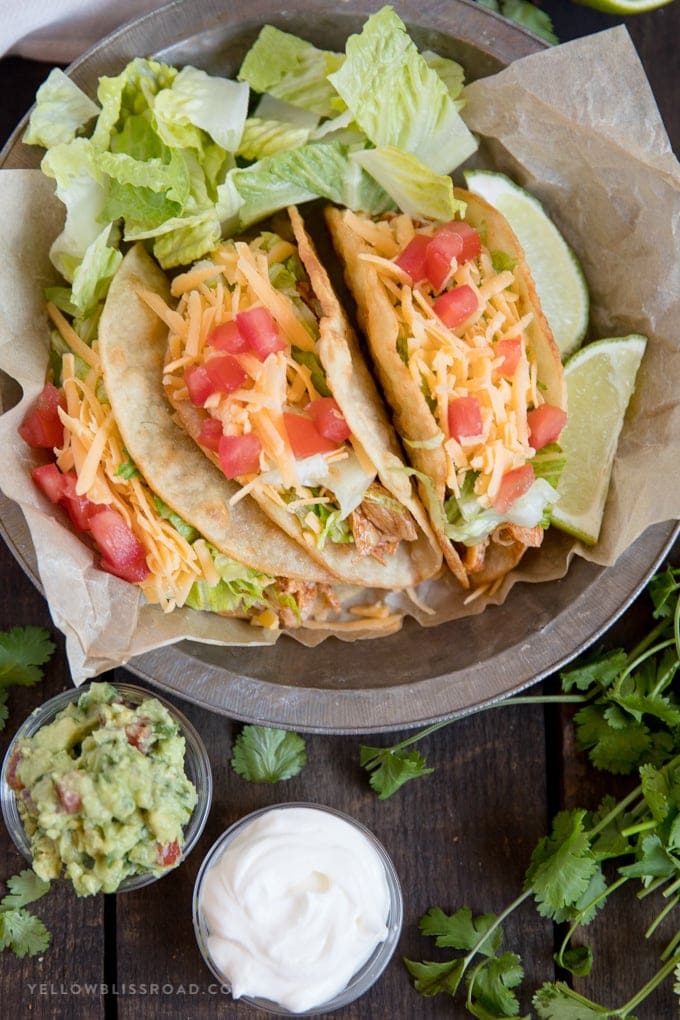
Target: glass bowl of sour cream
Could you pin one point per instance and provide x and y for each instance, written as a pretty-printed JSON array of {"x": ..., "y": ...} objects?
[
  {"x": 297, "y": 909},
  {"x": 98, "y": 849}
]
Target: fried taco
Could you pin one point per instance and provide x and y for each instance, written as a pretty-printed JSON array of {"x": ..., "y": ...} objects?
[
  {"x": 470, "y": 369},
  {"x": 267, "y": 377},
  {"x": 134, "y": 483}
]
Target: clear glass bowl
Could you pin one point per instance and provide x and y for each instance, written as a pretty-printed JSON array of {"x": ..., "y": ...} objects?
[
  {"x": 196, "y": 765},
  {"x": 366, "y": 975}
]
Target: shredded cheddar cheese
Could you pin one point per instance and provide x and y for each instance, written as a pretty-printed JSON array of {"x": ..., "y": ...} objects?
[
  {"x": 462, "y": 362},
  {"x": 94, "y": 449}
]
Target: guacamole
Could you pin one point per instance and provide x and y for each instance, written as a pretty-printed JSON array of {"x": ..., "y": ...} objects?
[{"x": 102, "y": 791}]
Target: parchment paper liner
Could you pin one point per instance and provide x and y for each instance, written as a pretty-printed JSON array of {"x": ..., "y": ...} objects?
[{"x": 578, "y": 125}]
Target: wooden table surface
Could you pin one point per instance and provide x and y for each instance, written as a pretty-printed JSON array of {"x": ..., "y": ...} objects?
[{"x": 462, "y": 836}]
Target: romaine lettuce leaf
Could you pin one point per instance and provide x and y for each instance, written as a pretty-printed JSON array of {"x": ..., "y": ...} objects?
[
  {"x": 81, "y": 187},
  {"x": 95, "y": 271},
  {"x": 414, "y": 188},
  {"x": 61, "y": 111},
  {"x": 397, "y": 99},
  {"x": 291, "y": 69},
  {"x": 198, "y": 102}
]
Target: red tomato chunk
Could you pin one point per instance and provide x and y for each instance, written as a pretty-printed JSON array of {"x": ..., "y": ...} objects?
[
  {"x": 198, "y": 383},
  {"x": 122, "y": 553},
  {"x": 442, "y": 250},
  {"x": 210, "y": 433},
  {"x": 329, "y": 419},
  {"x": 465, "y": 417},
  {"x": 513, "y": 485},
  {"x": 225, "y": 373},
  {"x": 456, "y": 305},
  {"x": 304, "y": 437},
  {"x": 239, "y": 455},
  {"x": 227, "y": 337},
  {"x": 470, "y": 243},
  {"x": 260, "y": 332},
  {"x": 510, "y": 350},
  {"x": 412, "y": 258},
  {"x": 545, "y": 425},
  {"x": 42, "y": 427},
  {"x": 169, "y": 854}
]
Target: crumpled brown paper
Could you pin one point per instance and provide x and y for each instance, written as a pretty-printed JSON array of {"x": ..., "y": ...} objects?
[{"x": 579, "y": 127}]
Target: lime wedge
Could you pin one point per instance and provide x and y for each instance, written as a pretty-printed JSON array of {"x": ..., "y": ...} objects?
[
  {"x": 600, "y": 382},
  {"x": 558, "y": 276},
  {"x": 624, "y": 6}
]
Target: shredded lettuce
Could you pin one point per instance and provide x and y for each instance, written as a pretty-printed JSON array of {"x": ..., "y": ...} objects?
[
  {"x": 62, "y": 111},
  {"x": 397, "y": 99},
  {"x": 291, "y": 69}
]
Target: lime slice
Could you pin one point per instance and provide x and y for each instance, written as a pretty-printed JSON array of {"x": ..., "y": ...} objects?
[
  {"x": 600, "y": 381},
  {"x": 624, "y": 6},
  {"x": 558, "y": 276}
]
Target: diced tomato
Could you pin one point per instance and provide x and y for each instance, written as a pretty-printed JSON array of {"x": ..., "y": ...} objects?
[
  {"x": 50, "y": 481},
  {"x": 329, "y": 419},
  {"x": 168, "y": 855},
  {"x": 42, "y": 427},
  {"x": 510, "y": 351},
  {"x": 60, "y": 487},
  {"x": 412, "y": 258},
  {"x": 304, "y": 437},
  {"x": 210, "y": 433},
  {"x": 442, "y": 249},
  {"x": 225, "y": 373},
  {"x": 513, "y": 485},
  {"x": 470, "y": 241},
  {"x": 69, "y": 798},
  {"x": 239, "y": 455},
  {"x": 227, "y": 337},
  {"x": 140, "y": 733},
  {"x": 80, "y": 509},
  {"x": 545, "y": 424},
  {"x": 260, "y": 332},
  {"x": 456, "y": 305},
  {"x": 122, "y": 553},
  {"x": 465, "y": 417},
  {"x": 199, "y": 384}
]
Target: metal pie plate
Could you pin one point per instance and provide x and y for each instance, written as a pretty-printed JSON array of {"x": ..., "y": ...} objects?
[{"x": 419, "y": 674}]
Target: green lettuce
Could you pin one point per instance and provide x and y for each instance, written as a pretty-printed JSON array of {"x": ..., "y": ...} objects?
[
  {"x": 414, "y": 188},
  {"x": 291, "y": 69},
  {"x": 397, "y": 99},
  {"x": 61, "y": 111}
]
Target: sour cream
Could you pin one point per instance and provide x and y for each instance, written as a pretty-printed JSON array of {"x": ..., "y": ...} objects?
[{"x": 295, "y": 904}]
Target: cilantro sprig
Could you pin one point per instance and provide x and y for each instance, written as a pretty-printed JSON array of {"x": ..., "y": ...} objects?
[
  {"x": 262, "y": 754},
  {"x": 23, "y": 651},
  {"x": 22, "y": 932},
  {"x": 629, "y": 722}
]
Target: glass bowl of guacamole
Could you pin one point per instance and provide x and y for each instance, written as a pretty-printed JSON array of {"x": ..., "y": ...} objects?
[{"x": 106, "y": 786}]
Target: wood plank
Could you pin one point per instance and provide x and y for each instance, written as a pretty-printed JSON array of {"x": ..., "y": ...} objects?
[{"x": 68, "y": 979}]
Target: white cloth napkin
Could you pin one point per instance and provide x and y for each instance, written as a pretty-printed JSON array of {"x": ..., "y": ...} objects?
[{"x": 60, "y": 30}]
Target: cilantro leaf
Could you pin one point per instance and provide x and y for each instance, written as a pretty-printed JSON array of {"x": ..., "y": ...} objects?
[
  {"x": 430, "y": 977},
  {"x": 601, "y": 669},
  {"x": 460, "y": 930},
  {"x": 490, "y": 987},
  {"x": 562, "y": 864},
  {"x": 23, "y": 650},
  {"x": 614, "y": 741},
  {"x": 26, "y": 887},
  {"x": 262, "y": 754},
  {"x": 391, "y": 768},
  {"x": 556, "y": 1001},
  {"x": 578, "y": 960},
  {"x": 654, "y": 860},
  {"x": 23, "y": 933},
  {"x": 662, "y": 587},
  {"x": 4, "y": 711}
]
